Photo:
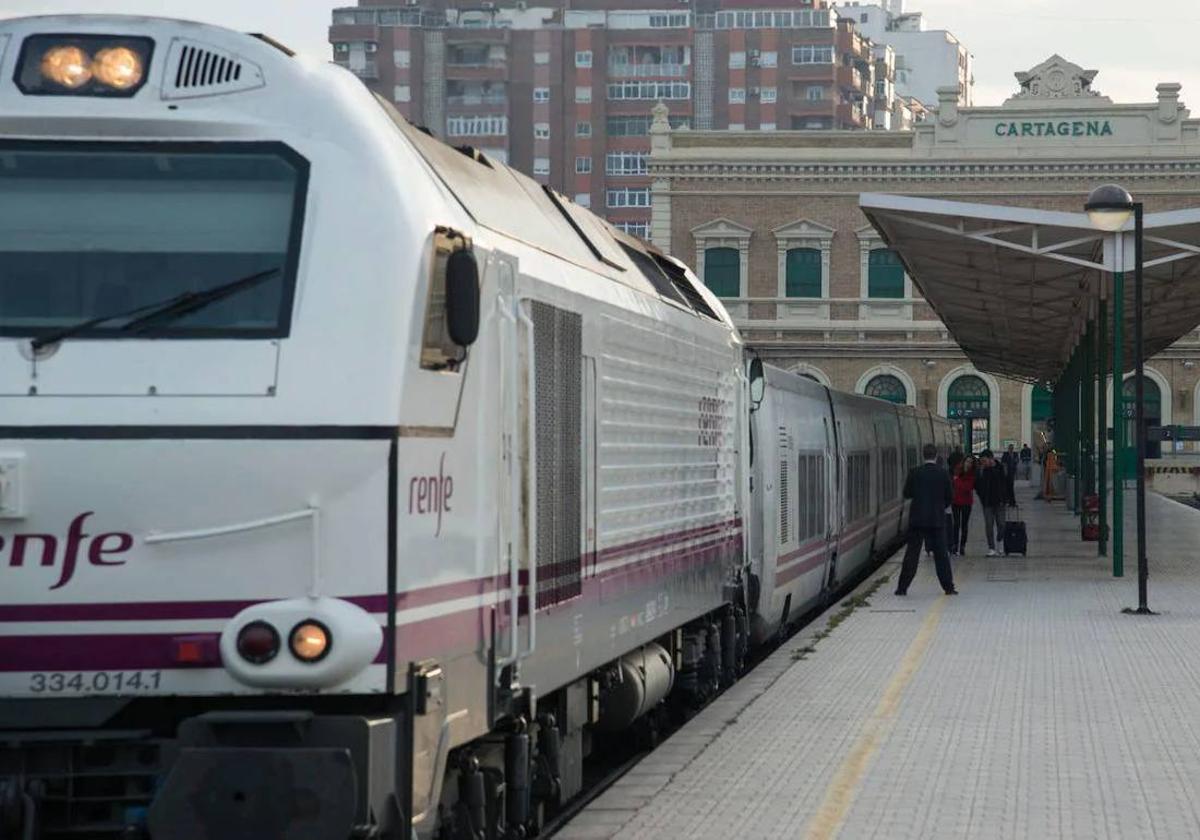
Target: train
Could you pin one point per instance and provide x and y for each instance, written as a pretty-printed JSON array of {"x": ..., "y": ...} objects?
[{"x": 355, "y": 485}]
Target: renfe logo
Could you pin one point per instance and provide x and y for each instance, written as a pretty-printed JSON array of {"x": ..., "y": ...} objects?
[
  {"x": 428, "y": 494},
  {"x": 102, "y": 545}
]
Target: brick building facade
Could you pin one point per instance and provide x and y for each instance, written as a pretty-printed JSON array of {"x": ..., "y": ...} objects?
[
  {"x": 562, "y": 90},
  {"x": 772, "y": 223}
]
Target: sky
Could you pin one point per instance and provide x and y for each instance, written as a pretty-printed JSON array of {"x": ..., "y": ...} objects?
[{"x": 1133, "y": 50}]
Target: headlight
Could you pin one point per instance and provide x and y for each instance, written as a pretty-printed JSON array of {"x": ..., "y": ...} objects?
[
  {"x": 68, "y": 67},
  {"x": 118, "y": 67},
  {"x": 310, "y": 641},
  {"x": 83, "y": 65}
]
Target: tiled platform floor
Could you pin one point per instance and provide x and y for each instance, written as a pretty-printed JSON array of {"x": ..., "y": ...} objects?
[{"x": 1026, "y": 707}]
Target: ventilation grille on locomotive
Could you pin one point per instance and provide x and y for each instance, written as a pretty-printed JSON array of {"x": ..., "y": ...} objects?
[
  {"x": 558, "y": 375},
  {"x": 195, "y": 69},
  {"x": 785, "y": 506}
]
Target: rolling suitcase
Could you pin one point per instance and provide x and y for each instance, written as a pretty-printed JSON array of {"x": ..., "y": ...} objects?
[{"x": 1016, "y": 541}]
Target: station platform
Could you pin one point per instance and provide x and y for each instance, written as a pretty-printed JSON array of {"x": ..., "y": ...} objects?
[{"x": 1027, "y": 706}]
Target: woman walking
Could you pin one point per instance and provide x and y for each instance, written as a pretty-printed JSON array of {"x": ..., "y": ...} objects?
[{"x": 964, "y": 492}]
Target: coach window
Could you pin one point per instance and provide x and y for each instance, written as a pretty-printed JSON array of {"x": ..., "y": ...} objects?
[
  {"x": 722, "y": 271},
  {"x": 887, "y": 387}
]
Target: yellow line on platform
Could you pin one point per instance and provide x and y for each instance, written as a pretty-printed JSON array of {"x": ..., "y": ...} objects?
[{"x": 846, "y": 781}]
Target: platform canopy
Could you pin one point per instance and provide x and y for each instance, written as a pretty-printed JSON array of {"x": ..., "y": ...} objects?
[{"x": 1016, "y": 286}]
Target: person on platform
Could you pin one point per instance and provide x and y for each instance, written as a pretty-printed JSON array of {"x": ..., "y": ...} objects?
[
  {"x": 964, "y": 498},
  {"x": 1026, "y": 456},
  {"x": 991, "y": 487},
  {"x": 928, "y": 487},
  {"x": 1009, "y": 461}
]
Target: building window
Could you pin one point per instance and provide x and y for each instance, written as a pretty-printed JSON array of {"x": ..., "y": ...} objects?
[
  {"x": 737, "y": 95},
  {"x": 541, "y": 57},
  {"x": 628, "y": 197},
  {"x": 583, "y": 94},
  {"x": 371, "y": 47},
  {"x": 638, "y": 229},
  {"x": 650, "y": 90},
  {"x": 625, "y": 163},
  {"x": 583, "y": 199},
  {"x": 737, "y": 60},
  {"x": 812, "y": 54},
  {"x": 541, "y": 94},
  {"x": 774, "y": 19},
  {"x": 723, "y": 271},
  {"x": 541, "y": 166},
  {"x": 887, "y": 387},
  {"x": 583, "y": 165},
  {"x": 402, "y": 58},
  {"x": 885, "y": 274},
  {"x": 402, "y": 93},
  {"x": 670, "y": 21},
  {"x": 583, "y": 58},
  {"x": 768, "y": 58},
  {"x": 541, "y": 131},
  {"x": 341, "y": 48},
  {"x": 583, "y": 129},
  {"x": 768, "y": 94},
  {"x": 803, "y": 273},
  {"x": 815, "y": 93}
]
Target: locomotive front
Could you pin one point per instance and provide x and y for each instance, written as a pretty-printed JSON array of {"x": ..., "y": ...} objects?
[{"x": 197, "y": 426}]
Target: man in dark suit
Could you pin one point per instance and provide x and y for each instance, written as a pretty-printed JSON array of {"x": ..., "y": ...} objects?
[{"x": 928, "y": 486}]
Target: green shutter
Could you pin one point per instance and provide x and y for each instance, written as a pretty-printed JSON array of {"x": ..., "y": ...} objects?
[
  {"x": 723, "y": 272},
  {"x": 885, "y": 274},
  {"x": 1043, "y": 404},
  {"x": 803, "y": 273}
]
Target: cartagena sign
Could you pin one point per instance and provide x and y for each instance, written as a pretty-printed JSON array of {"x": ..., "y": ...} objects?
[{"x": 1055, "y": 128}]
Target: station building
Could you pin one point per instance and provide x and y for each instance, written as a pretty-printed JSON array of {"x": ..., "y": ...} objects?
[{"x": 771, "y": 222}]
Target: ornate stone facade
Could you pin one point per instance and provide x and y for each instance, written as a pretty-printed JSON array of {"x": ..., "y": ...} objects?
[{"x": 1045, "y": 147}]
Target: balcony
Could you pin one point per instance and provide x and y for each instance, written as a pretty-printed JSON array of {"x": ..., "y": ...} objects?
[
  {"x": 851, "y": 81},
  {"x": 648, "y": 71}
]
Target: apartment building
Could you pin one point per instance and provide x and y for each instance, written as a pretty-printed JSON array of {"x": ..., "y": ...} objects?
[
  {"x": 926, "y": 59},
  {"x": 564, "y": 91}
]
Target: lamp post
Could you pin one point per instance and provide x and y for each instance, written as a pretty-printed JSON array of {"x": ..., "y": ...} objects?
[{"x": 1109, "y": 208}]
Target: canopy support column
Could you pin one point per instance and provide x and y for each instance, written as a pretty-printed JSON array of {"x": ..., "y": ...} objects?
[
  {"x": 1102, "y": 416},
  {"x": 1118, "y": 426}
]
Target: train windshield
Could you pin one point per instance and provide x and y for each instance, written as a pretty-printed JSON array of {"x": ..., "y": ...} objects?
[{"x": 89, "y": 230}]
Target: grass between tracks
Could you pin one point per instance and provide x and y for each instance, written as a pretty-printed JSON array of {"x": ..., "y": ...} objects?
[{"x": 863, "y": 599}]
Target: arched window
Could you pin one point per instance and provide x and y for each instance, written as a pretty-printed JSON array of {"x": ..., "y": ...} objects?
[
  {"x": 969, "y": 407},
  {"x": 803, "y": 273},
  {"x": 1152, "y": 400},
  {"x": 887, "y": 387},
  {"x": 723, "y": 271},
  {"x": 885, "y": 274}
]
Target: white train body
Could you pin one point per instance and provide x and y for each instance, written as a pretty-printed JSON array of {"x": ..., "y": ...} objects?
[{"x": 312, "y": 450}]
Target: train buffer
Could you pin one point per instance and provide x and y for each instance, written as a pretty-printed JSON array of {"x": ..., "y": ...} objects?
[{"x": 1027, "y": 706}]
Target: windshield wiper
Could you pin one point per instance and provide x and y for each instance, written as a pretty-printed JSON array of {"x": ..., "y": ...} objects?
[{"x": 159, "y": 311}]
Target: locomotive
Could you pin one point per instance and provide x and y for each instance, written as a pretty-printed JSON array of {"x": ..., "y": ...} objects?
[{"x": 356, "y": 485}]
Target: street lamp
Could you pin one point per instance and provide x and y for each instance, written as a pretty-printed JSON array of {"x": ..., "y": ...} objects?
[{"x": 1109, "y": 208}]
